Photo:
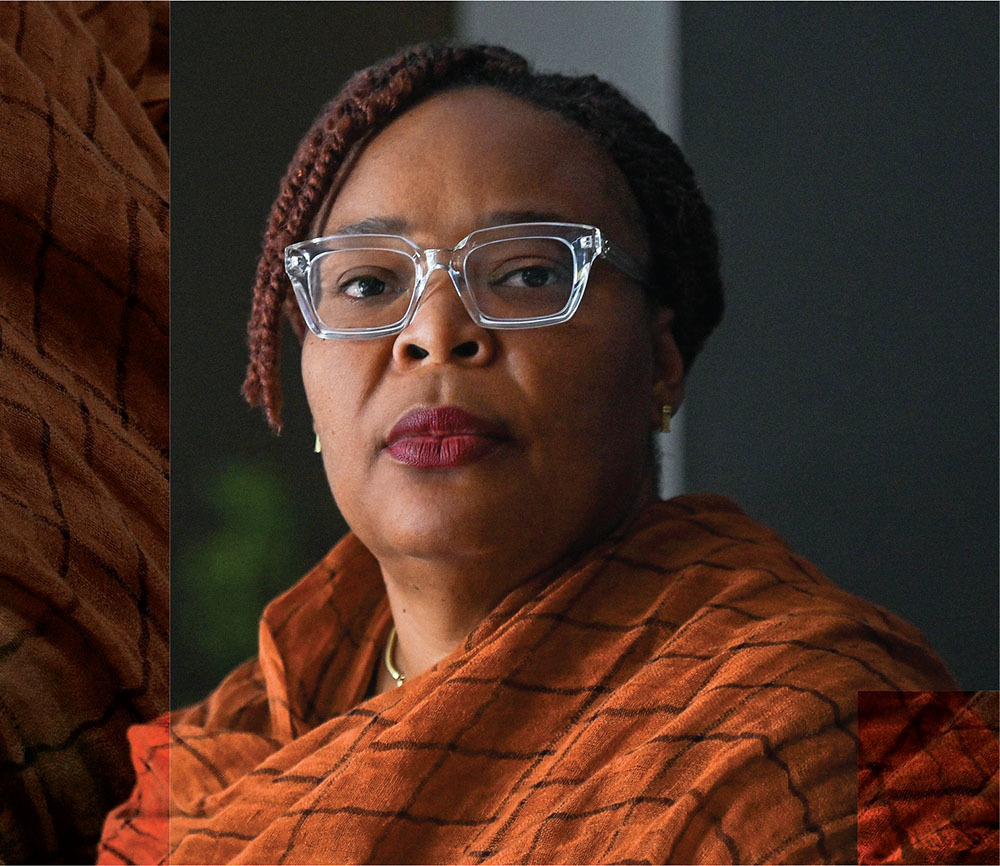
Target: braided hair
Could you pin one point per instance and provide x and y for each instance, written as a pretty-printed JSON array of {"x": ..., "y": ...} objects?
[{"x": 678, "y": 222}]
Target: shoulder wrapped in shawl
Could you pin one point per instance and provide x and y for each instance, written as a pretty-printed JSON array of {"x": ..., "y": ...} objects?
[
  {"x": 686, "y": 693},
  {"x": 83, "y": 413}
]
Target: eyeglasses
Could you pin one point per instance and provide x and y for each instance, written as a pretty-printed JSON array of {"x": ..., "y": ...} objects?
[{"x": 526, "y": 275}]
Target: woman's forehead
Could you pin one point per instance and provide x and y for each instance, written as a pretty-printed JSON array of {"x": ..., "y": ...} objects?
[{"x": 465, "y": 155}]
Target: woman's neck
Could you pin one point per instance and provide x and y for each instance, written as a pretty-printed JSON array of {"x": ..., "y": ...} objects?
[{"x": 436, "y": 603}]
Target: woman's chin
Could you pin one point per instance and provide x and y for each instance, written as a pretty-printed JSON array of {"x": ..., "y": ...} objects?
[{"x": 450, "y": 516}]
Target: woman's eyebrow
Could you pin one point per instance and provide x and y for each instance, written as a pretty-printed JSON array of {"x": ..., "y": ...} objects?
[
  {"x": 375, "y": 226},
  {"x": 400, "y": 226},
  {"x": 506, "y": 217}
]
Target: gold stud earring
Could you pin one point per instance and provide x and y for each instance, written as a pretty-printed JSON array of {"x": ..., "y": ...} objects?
[
  {"x": 665, "y": 418},
  {"x": 317, "y": 447}
]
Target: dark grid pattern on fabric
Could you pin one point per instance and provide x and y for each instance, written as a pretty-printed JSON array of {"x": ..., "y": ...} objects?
[
  {"x": 928, "y": 776},
  {"x": 83, "y": 412},
  {"x": 686, "y": 693}
]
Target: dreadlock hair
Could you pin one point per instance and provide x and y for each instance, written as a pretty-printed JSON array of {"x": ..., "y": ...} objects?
[{"x": 678, "y": 222}]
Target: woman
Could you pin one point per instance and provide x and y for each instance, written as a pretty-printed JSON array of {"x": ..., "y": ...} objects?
[{"x": 518, "y": 654}]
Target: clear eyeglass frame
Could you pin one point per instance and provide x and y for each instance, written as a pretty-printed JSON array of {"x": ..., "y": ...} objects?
[{"x": 586, "y": 242}]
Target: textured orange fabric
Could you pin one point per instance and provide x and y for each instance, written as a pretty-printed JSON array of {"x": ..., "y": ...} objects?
[
  {"x": 927, "y": 777},
  {"x": 684, "y": 693},
  {"x": 83, "y": 413}
]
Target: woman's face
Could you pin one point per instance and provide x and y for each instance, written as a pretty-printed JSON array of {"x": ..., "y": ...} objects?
[{"x": 572, "y": 404}]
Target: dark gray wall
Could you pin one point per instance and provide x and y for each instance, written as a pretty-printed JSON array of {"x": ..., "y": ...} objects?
[{"x": 850, "y": 398}]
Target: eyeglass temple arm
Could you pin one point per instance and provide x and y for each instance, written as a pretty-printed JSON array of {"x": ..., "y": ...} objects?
[{"x": 623, "y": 261}]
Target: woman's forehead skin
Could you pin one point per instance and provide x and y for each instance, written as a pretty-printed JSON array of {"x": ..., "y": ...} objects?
[{"x": 465, "y": 159}]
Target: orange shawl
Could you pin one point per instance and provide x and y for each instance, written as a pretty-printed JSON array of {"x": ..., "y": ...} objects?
[
  {"x": 928, "y": 767},
  {"x": 83, "y": 413},
  {"x": 684, "y": 693}
]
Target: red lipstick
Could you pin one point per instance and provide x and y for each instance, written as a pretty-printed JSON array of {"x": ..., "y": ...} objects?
[{"x": 442, "y": 438}]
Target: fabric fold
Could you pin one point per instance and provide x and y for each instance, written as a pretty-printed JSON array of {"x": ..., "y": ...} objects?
[{"x": 84, "y": 237}]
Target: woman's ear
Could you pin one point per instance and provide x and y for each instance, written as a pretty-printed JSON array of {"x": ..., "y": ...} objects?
[{"x": 668, "y": 381}]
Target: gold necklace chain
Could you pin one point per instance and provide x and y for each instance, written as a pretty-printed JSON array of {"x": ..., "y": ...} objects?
[{"x": 390, "y": 648}]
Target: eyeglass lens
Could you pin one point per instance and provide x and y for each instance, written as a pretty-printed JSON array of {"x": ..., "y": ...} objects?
[{"x": 512, "y": 278}]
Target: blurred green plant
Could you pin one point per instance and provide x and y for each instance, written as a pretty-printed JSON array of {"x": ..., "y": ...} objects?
[{"x": 222, "y": 580}]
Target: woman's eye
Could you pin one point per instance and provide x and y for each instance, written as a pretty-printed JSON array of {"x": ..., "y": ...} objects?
[
  {"x": 531, "y": 277},
  {"x": 363, "y": 287}
]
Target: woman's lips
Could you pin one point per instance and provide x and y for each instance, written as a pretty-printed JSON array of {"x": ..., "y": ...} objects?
[{"x": 442, "y": 438}]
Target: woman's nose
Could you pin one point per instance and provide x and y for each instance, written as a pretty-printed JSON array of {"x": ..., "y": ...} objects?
[{"x": 442, "y": 330}]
